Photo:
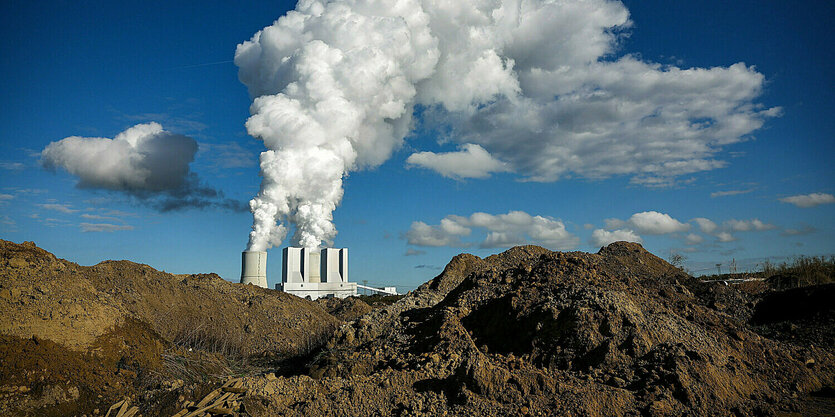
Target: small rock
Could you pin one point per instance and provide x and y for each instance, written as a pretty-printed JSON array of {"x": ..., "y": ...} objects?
[
  {"x": 18, "y": 263},
  {"x": 618, "y": 382}
]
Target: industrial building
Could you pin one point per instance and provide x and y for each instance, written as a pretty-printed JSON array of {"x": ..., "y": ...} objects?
[
  {"x": 307, "y": 273},
  {"x": 316, "y": 273}
]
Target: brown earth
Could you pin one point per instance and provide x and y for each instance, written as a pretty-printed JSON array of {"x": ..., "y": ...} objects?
[
  {"x": 347, "y": 309},
  {"x": 525, "y": 332},
  {"x": 534, "y": 332},
  {"x": 120, "y": 328}
]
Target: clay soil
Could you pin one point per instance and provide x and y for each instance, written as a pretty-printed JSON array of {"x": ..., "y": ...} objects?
[{"x": 526, "y": 332}]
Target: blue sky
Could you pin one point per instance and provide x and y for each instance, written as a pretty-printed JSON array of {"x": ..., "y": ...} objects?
[{"x": 94, "y": 69}]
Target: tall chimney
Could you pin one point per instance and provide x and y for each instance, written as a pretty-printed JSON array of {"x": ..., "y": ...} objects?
[{"x": 254, "y": 268}]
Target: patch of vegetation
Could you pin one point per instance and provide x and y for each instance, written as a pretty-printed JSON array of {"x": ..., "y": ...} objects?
[
  {"x": 801, "y": 271},
  {"x": 807, "y": 270}
]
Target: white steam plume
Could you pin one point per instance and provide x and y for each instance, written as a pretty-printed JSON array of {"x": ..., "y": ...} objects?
[{"x": 334, "y": 88}]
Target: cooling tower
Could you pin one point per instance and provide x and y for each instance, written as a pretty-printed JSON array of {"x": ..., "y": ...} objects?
[{"x": 254, "y": 268}]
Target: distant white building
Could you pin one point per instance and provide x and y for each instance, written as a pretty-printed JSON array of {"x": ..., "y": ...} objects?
[{"x": 315, "y": 274}]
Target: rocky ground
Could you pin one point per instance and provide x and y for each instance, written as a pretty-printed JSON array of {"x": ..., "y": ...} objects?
[
  {"x": 74, "y": 339},
  {"x": 525, "y": 332}
]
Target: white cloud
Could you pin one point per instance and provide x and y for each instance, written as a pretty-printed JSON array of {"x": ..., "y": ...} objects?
[
  {"x": 142, "y": 158},
  {"x": 693, "y": 239},
  {"x": 30, "y": 191},
  {"x": 748, "y": 225},
  {"x": 809, "y": 200},
  {"x": 724, "y": 233},
  {"x": 103, "y": 227},
  {"x": 414, "y": 252},
  {"x": 648, "y": 222},
  {"x": 614, "y": 223},
  {"x": 8, "y": 222},
  {"x": 804, "y": 230},
  {"x": 11, "y": 166},
  {"x": 728, "y": 193},
  {"x": 706, "y": 225},
  {"x": 422, "y": 234},
  {"x": 655, "y": 223},
  {"x": 5, "y": 198},
  {"x": 144, "y": 161},
  {"x": 119, "y": 213},
  {"x": 578, "y": 114},
  {"x": 725, "y": 237},
  {"x": 503, "y": 230},
  {"x": 472, "y": 161},
  {"x": 63, "y": 208},
  {"x": 98, "y": 217},
  {"x": 602, "y": 237}
]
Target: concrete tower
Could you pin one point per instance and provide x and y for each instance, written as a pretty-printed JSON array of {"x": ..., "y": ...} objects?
[{"x": 254, "y": 268}]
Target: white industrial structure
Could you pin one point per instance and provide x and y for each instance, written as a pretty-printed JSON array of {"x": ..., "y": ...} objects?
[
  {"x": 315, "y": 274},
  {"x": 254, "y": 268},
  {"x": 306, "y": 273}
]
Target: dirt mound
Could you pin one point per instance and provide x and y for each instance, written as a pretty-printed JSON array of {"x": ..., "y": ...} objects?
[
  {"x": 46, "y": 297},
  {"x": 531, "y": 331},
  {"x": 75, "y": 327},
  {"x": 346, "y": 309},
  {"x": 52, "y": 379},
  {"x": 525, "y": 332}
]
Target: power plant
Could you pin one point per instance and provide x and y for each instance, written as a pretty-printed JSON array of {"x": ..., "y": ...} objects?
[
  {"x": 306, "y": 273},
  {"x": 316, "y": 274}
]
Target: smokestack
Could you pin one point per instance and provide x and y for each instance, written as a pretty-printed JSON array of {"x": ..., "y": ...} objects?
[{"x": 254, "y": 268}]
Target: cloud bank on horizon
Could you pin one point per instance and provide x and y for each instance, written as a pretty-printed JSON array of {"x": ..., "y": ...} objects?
[
  {"x": 533, "y": 88},
  {"x": 809, "y": 200},
  {"x": 144, "y": 161},
  {"x": 520, "y": 228},
  {"x": 503, "y": 231}
]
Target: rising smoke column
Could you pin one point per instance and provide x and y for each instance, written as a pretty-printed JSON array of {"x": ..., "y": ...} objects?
[{"x": 334, "y": 88}]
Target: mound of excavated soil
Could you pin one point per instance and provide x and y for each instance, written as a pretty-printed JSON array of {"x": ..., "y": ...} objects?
[
  {"x": 72, "y": 333},
  {"x": 346, "y": 309},
  {"x": 534, "y": 332},
  {"x": 525, "y": 332}
]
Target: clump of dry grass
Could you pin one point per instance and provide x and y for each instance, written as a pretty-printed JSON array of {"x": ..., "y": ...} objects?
[
  {"x": 204, "y": 350},
  {"x": 809, "y": 270}
]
